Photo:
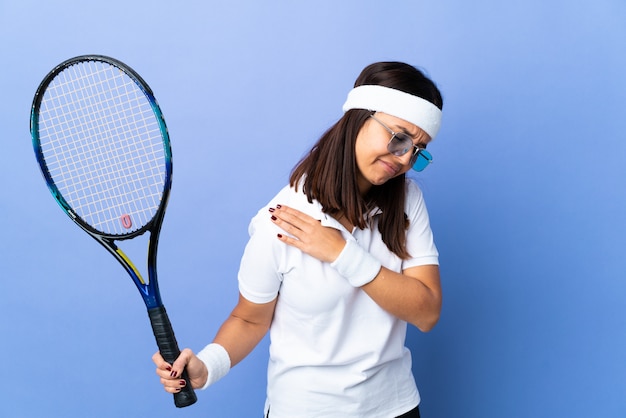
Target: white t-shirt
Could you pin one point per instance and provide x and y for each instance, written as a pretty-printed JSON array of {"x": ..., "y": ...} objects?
[{"x": 334, "y": 352}]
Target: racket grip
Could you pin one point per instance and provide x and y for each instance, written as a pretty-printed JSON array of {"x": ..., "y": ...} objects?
[{"x": 168, "y": 347}]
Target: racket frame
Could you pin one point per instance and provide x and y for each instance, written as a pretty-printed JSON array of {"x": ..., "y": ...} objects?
[{"x": 149, "y": 289}]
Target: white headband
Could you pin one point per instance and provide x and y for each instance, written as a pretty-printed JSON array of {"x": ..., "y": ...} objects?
[{"x": 414, "y": 109}]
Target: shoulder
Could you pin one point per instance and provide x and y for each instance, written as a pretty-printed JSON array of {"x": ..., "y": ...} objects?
[
  {"x": 287, "y": 196},
  {"x": 415, "y": 205},
  {"x": 414, "y": 194}
]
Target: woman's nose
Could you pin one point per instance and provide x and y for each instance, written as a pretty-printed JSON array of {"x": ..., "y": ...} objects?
[{"x": 405, "y": 158}]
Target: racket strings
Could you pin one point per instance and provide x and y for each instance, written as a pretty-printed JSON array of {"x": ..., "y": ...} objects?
[{"x": 103, "y": 147}]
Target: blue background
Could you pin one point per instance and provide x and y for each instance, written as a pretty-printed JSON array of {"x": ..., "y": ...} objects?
[{"x": 526, "y": 195}]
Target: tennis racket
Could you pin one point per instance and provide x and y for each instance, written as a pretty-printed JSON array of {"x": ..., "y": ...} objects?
[{"x": 104, "y": 150}]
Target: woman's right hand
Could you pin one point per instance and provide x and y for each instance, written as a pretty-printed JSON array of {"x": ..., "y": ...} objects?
[{"x": 170, "y": 374}]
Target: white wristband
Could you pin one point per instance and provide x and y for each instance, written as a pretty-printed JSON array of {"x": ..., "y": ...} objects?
[
  {"x": 216, "y": 359},
  {"x": 356, "y": 264}
]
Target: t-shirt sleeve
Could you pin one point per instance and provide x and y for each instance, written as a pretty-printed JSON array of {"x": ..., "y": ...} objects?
[
  {"x": 420, "y": 241},
  {"x": 260, "y": 271}
]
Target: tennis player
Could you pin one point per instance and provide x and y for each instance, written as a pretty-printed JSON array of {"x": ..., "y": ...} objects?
[{"x": 338, "y": 263}]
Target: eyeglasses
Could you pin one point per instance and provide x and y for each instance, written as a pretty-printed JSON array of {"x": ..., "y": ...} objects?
[{"x": 401, "y": 143}]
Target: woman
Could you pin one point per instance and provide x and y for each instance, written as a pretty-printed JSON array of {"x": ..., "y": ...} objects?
[{"x": 338, "y": 263}]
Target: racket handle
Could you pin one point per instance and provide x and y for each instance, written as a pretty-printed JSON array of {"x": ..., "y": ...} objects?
[{"x": 168, "y": 347}]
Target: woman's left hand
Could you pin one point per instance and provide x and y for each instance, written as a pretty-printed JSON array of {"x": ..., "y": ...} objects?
[{"x": 307, "y": 233}]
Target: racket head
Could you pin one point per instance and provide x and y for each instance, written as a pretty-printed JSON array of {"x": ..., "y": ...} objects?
[{"x": 102, "y": 146}]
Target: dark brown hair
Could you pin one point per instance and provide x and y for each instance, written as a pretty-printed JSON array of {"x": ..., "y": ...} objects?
[{"x": 329, "y": 170}]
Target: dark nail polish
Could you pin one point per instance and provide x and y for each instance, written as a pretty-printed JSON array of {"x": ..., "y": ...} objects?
[
  {"x": 272, "y": 209},
  {"x": 174, "y": 373},
  {"x": 183, "y": 383},
  {"x": 278, "y": 206},
  {"x": 273, "y": 218},
  {"x": 280, "y": 235}
]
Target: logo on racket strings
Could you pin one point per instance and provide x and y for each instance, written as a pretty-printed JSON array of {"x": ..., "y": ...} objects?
[{"x": 126, "y": 221}]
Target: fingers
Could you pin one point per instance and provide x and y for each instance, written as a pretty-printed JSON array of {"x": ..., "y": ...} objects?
[
  {"x": 173, "y": 386},
  {"x": 170, "y": 373},
  {"x": 292, "y": 219},
  {"x": 289, "y": 221},
  {"x": 181, "y": 362},
  {"x": 307, "y": 233},
  {"x": 163, "y": 367}
]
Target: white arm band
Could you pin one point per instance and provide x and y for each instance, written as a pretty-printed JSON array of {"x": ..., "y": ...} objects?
[
  {"x": 217, "y": 362},
  {"x": 356, "y": 264}
]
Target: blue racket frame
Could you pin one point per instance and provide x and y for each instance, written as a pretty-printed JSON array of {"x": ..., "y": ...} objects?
[{"x": 149, "y": 289}]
